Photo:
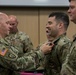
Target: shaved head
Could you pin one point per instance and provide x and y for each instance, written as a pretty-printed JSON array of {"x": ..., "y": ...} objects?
[
  {"x": 4, "y": 24},
  {"x": 3, "y": 16}
]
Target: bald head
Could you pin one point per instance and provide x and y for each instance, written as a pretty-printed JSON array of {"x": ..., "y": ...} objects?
[
  {"x": 3, "y": 17},
  {"x": 4, "y": 24},
  {"x": 14, "y": 23},
  {"x": 12, "y": 18}
]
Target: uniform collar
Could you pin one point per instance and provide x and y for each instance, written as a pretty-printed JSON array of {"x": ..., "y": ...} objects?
[
  {"x": 74, "y": 37},
  {"x": 57, "y": 39}
]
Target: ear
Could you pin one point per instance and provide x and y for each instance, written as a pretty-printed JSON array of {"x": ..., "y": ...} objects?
[{"x": 60, "y": 25}]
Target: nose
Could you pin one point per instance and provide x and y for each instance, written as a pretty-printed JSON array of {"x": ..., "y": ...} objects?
[
  {"x": 9, "y": 26},
  {"x": 69, "y": 10},
  {"x": 47, "y": 25}
]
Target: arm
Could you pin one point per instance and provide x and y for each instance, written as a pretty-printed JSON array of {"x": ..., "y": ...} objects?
[
  {"x": 27, "y": 44},
  {"x": 29, "y": 61},
  {"x": 69, "y": 66}
]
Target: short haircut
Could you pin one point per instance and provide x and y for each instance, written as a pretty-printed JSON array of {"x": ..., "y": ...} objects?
[{"x": 61, "y": 16}]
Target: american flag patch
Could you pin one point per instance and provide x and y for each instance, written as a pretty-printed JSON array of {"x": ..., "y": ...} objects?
[{"x": 3, "y": 51}]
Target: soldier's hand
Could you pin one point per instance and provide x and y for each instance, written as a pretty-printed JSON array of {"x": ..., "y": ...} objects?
[{"x": 47, "y": 47}]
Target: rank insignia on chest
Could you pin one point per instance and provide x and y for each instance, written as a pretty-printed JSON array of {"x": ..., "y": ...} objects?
[{"x": 3, "y": 51}]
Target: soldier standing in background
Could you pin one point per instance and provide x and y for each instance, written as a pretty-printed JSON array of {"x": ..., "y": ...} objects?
[
  {"x": 69, "y": 67},
  {"x": 18, "y": 39}
]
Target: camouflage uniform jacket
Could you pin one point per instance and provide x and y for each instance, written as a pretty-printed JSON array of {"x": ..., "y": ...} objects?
[
  {"x": 21, "y": 41},
  {"x": 10, "y": 61},
  {"x": 54, "y": 60},
  {"x": 69, "y": 67}
]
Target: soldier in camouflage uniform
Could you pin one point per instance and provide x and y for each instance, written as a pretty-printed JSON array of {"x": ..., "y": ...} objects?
[
  {"x": 9, "y": 55},
  {"x": 17, "y": 38},
  {"x": 56, "y": 33},
  {"x": 69, "y": 67}
]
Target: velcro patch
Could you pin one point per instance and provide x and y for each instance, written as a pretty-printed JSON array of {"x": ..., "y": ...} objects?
[{"x": 3, "y": 51}]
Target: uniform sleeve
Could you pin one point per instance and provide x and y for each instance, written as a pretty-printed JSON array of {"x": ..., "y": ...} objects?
[
  {"x": 66, "y": 70},
  {"x": 30, "y": 61},
  {"x": 41, "y": 63},
  {"x": 64, "y": 51},
  {"x": 27, "y": 43},
  {"x": 69, "y": 66},
  {"x": 7, "y": 55}
]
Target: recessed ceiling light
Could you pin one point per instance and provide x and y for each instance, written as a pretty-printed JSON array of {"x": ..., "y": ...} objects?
[{"x": 40, "y": 0}]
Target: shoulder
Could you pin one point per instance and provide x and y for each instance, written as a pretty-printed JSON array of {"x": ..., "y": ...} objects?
[
  {"x": 23, "y": 35},
  {"x": 8, "y": 52},
  {"x": 64, "y": 40}
]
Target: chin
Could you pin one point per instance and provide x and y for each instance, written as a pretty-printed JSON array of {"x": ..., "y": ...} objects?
[
  {"x": 71, "y": 19},
  {"x": 8, "y": 33}
]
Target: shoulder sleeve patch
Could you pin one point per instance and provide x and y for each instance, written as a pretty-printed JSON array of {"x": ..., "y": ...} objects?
[{"x": 3, "y": 51}]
